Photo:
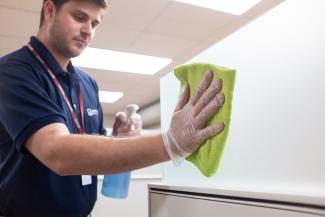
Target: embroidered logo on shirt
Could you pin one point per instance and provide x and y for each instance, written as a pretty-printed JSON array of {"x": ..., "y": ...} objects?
[{"x": 92, "y": 112}]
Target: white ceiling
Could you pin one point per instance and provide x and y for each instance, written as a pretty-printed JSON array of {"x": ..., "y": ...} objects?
[{"x": 163, "y": 28}]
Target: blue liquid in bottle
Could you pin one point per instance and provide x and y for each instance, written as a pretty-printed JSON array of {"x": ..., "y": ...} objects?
[{"x": 116, "y": 185}]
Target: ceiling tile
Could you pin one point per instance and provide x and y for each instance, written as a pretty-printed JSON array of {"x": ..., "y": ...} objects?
[
  {"x": 261, "y": 8},
  {"x": 185, "y": 21},
  {"x": 214, "y": 38},
  {"x": 135, "y": 88},
  {"x": 117, "y": 81},
  {"x": 160, "y": 45},
  {"x": 108, "y": 37},
  {"x": 134, "y": 14}
]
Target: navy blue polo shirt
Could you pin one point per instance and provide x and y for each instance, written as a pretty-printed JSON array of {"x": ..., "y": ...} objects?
[{"x": 29, "y": 100}]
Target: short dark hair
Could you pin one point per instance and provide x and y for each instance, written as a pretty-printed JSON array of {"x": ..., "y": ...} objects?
[{"x": 58, "y": 4}]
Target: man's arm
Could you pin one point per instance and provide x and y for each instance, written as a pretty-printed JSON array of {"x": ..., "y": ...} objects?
[{"x": 68, "y": 154}]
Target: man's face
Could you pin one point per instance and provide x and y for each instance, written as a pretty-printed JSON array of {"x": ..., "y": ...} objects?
[{"x": 73, "y": 27}]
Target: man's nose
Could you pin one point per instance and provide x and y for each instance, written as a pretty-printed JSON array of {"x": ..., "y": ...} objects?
[{"x": 87, "y": 29}]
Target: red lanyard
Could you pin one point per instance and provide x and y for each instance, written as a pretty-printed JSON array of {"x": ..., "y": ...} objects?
[{"x": 81, "y": 129}]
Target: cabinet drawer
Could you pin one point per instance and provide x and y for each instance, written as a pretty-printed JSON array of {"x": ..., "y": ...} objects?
[{"x": 174, "y": 205}]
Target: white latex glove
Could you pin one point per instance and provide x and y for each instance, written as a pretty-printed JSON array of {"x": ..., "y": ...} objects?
[
  {"x": 127, "y": 123},
  {"x": 188, "y": 128}
]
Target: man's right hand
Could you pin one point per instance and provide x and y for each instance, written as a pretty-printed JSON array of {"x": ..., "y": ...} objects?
[
  {"x": 122, "y": 127},
  {"x": 188, "y": 128}
]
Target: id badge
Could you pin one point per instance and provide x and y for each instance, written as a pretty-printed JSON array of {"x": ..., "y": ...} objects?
[{"x": 85, "y": 180}]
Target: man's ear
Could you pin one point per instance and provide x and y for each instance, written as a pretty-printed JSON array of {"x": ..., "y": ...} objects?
[{"x": 49, "y": 11}]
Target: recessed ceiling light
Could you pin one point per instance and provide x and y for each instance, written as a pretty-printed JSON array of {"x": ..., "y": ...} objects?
[
  {"x": 109, "y": 96},
  {"x": 120, "y": 61},
  {"x": 236, "y": 7}
]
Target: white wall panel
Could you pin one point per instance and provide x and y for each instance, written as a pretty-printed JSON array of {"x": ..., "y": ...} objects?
[{"x": 276, "y": 141}]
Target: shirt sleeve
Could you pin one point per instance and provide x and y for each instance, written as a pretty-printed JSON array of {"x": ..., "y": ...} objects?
[{"x": 25, "y": 106}]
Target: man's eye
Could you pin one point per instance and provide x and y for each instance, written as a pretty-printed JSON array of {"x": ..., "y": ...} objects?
[{"x": 79, "y": 17}]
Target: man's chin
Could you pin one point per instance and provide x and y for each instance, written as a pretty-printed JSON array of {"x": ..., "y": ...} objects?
[{"x": 76, "y": 53}]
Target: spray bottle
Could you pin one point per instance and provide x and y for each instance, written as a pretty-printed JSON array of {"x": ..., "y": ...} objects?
[{"x": 117, "y": 185}]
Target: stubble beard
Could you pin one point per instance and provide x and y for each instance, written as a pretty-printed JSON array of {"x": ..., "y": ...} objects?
[{"x": 60, "y": 42}]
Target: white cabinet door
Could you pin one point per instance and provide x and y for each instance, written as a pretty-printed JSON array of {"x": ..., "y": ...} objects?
[{"x": 164, "y": 205}]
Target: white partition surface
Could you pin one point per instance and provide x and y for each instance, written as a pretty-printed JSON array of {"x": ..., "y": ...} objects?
[{"x": 276, "y": 140}]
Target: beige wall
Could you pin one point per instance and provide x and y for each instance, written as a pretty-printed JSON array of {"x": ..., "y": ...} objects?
[{"x": 108, "y": 121}]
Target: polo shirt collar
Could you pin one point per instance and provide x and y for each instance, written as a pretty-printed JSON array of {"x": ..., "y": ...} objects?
[{"x": 50, "y": 60}]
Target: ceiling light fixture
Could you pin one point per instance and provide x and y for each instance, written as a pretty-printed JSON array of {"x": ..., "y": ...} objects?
[
  {"x": 120, "y": 61},
  {"x": 109, "y": 96},
  {"x": 236, "y": 7}
]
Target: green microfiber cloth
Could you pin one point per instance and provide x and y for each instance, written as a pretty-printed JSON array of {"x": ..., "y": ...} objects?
[{"x": 207, "y": 157}]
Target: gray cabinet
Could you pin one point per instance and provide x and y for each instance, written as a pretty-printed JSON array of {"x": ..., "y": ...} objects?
[{"x": 173, "y": 202}]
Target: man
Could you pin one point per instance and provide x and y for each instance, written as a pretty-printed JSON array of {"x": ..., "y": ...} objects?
[{"x": 46, "y": 150}]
